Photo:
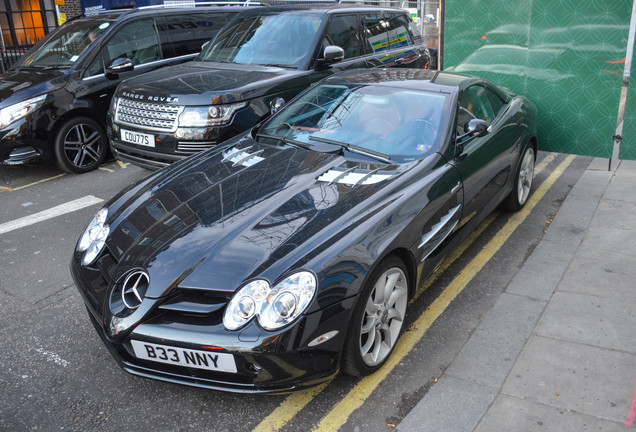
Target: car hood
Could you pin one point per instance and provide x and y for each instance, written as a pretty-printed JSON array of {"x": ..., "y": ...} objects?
[
  {"x": 223, "y": 217},
  {"x": 199, "y": 83},
  {"x": 22, "y": 84}
]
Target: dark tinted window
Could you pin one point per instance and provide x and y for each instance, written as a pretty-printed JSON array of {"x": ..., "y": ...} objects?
[
  {"x": 496, "y": 101},
  {"x": 398, "y": 30},
  {"x": 475, "y": 103},
  {"x": 95, "y": 67},
  {"x": 343, "y": 31},
  {"x": 184, "y": 34},
  {"x": 137, "y": 41}
]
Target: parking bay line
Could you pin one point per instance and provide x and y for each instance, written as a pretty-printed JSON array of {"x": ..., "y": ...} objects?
[
  {"x": 59, "y": 210},
  {"x": 32, "y": 184},
  {"x": 295, "y": 402}
]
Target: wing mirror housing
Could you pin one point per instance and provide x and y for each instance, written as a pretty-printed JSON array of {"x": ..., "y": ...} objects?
[
  {"x": 119, "y": 65},
  {"x": 475, "y": 128},
  {"x": 332, "y": 54}
]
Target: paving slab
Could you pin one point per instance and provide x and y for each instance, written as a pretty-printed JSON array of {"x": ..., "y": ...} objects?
[
  {"x": 616, "y": 214},
  {"x": 601, "y": 273},
  {"x": 572, "y": 376},
  {"x": 606, "y": 322},
  {"x": 490, "y": 352},
  {"x": 542, "y": 271},
  {"x": 510, "y": 414},
  {"x": 439, "y": 412},
  {"x": 603, "y": 238}
]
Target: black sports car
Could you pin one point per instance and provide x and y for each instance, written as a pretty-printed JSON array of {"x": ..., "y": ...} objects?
[{"x": 288, "y": 253}]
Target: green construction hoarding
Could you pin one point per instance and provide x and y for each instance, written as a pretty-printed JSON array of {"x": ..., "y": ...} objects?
[{"x": 566, "y": 56}]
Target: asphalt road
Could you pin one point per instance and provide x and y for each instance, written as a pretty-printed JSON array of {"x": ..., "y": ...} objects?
[{"x": 56, "y": 375}]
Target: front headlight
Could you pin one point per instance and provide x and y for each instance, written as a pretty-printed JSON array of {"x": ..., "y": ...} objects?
[
  {"x": 274, "y": 307},
  {"x": 94, "y": 238},
  {"x": 215, "y": 115},
  {"x": 17, "y": 111}
]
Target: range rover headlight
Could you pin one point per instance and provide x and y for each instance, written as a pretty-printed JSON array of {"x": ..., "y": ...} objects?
[
  {"x": 274, "y": 307},
  {"x": 94, "y": 238},
  {"x": 17, "y": 111},
  {"x": 215, "y": 115}
]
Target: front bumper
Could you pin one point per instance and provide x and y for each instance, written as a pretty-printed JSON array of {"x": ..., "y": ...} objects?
[
  {"x": 21, "y": 144},
  {"x": 172, "y": 147},
  {"x": 266, "y": 362}
]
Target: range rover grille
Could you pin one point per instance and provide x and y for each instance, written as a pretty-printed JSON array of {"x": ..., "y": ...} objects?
[{"x": 151, "y": 116}]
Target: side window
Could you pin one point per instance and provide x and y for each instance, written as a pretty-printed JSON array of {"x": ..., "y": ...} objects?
[
  {"x": 137, "y": 41},
  {"x": 374, "y": 33},
  {"x": 95, "y": 68},
  {"x": 344, "y": 32},
  {"x": 496, "y": 102},
  {"x": 185, "y": 34},
  {"x": 398, "y": 30},
  {"x": 474, "y": 103}
]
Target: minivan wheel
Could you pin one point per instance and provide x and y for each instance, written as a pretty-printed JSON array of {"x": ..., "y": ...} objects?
[
  {"x": 377, "y": 319},
  {"x": 80, "y": 145}
]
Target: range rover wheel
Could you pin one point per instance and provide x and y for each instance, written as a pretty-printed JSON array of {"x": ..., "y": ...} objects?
[
  {"x": 377, "y": 319},
  {"x": 523, "y": 182},
  {"x": 80, "y": 145}
]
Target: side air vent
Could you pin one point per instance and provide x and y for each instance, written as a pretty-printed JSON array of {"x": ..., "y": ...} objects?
[
  {"x": 353, "y": 177},
  {"x": 242, "y": 157}
]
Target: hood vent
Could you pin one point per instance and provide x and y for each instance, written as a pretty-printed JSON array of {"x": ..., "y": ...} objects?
[
  {"x": 353, "y": 177},
  {"x": 242, "y": 157}
]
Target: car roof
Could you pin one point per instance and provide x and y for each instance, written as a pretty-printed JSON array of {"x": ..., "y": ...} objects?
[
  {"x": 417, "y": 79},
  {"x": 125, "y": 13},
  {"x": 326, "y": 8}
]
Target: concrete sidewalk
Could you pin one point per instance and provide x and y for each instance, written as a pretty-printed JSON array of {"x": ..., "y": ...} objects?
[{"x": 557, "y": 352}]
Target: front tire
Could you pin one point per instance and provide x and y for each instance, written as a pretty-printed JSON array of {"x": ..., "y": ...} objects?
[
  {"x": 80, "y": 145},
  {"x": 377, "y": 319},
  {"x": 520, "y": 193}
]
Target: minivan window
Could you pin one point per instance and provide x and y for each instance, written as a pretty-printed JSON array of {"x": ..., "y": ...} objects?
[
  {"x": 185, "y": 34},
  {"x": 64, "y": 47},
  {"x": 137, "y": 41},
  {"x": 280, "y": 40}
]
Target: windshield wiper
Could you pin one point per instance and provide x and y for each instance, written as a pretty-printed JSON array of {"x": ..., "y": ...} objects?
[
  {"x": 285, "y": 140},
  {"x": 354, "y": 148},
  {"x": 280, "y": 65}
]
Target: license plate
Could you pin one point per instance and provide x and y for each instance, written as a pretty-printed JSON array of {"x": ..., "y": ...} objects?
[
  {"x": 137, "y": 138},
  {"x": 221, "y": 362}
]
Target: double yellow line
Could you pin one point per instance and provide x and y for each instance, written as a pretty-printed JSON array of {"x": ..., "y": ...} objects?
[{"x": 342, "y": 410}]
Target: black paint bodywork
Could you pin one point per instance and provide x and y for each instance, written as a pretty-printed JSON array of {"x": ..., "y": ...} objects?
[
  {"x": 204, "y": 227},
  {"x": 203, "y": 83},
  {"x": 72, "y": 92}
]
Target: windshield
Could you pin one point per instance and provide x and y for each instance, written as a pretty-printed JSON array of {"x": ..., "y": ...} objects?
[
  {"x": 65, "y": 46},
  {"x": 281, "y": 40},
  {"x": 402, "y": 124}
]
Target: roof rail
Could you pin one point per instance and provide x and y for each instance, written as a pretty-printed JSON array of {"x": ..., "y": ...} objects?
[{"x": 210, "y": 3}]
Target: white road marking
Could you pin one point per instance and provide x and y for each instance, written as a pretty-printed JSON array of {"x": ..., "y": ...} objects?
[
  {"x": 52, "y": 357},
  {"x": 59, "y": 210}
]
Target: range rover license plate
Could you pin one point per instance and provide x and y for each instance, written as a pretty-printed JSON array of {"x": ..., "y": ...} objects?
[
  {"x": 137, "y": 138},
  {"x": 220, "y": 362}
]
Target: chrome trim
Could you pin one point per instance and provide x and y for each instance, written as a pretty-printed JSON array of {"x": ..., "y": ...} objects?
[
  {"x": 342, "y": 175},
  {"x": 147, "y": 115},
  {"x": 242, "y": 157},
  {"x": 456, "y": 188},
  {"x": 352, "y": 178},
  {"x": 438, "y": 231}
]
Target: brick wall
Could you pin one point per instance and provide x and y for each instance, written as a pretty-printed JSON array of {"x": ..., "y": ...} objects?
[{"x": 72, "y": 8}]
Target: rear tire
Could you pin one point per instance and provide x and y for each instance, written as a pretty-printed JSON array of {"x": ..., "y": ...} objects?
[
  {"x": 520, "y": 193},
  {"x": 80, "y": 145},
  {"x": 377, "y": 318}
]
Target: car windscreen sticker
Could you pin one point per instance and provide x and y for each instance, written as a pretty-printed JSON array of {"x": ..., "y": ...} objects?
[{"x": 102, "y": 26}]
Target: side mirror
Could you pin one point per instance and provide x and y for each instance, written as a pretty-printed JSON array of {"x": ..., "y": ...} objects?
[
  {"x": 331, "y": 54},
  {"x": 276, "y": 105},
  {"x": 476, "y": 128},
  {"x": 120, "y": 65}
]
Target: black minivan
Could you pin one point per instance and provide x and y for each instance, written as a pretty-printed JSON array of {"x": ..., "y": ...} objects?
[
  {"x": 53, "y": 102},
  {"x": 260, "y": 60}
]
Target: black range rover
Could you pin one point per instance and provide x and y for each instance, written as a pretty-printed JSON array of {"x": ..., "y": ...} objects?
[
  {"x": 53, "y": 102},
  {"x": 262, "y": 59}
]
